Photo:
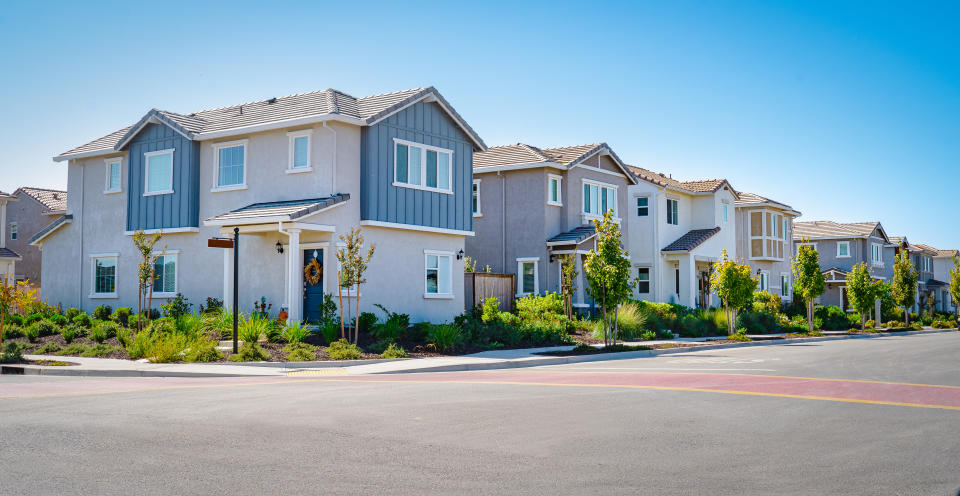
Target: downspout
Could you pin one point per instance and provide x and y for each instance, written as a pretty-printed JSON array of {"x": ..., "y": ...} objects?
[
  {"x": 80, "y": 252},
  {"x": 657, "y": 257},
  {"x": 503, "y": 219},
  {"x": 333, "y": 165}
]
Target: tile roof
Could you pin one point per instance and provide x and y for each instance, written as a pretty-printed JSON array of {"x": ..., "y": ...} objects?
[
  {"x": 829, "y": 229},
  {"x": 948, "y": 253},
  {"x": 8, "y": 253},
  {"x": 692, "y": 239},
  {"x": 54, "y": 200},
  {"x": 51, "y": 227},
  {"x": 925, "y": 249},
  {"x": 368, "y": 110},
  {"x": 698, "y": 186},
  {"x": 573, "y": 236},
  {"x": 747, "y": 199},
  {"x": 283, "y": 210},
  {"x": 6, "y": 196},
  {"x": 522, "y": 153}
]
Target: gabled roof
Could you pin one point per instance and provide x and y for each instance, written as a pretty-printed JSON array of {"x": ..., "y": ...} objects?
[
  {"x": 273, "y": 113},
  {"x": 278, "y": 211},
  {"x": 559, "y": 157},
  {"x": 54, "y": 200},
  {"x": 692, "y": 239},
  {"x": 948, "y": 253},
  {"x": 694, "y": 187},
  {"x": 576, "y": 235},
  {"x": 754, "y": 200},
  {"x": 50, "y": 229},
  {"x": 827, "y": 229},
  {"x": 922, "y": 248}
]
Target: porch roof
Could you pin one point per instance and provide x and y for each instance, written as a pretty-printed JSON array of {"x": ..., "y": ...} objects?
[
  {"x": 278, "y": 211},
  {"x": 933, "y": 283},
  {"x": 692, "y": 239},
  {"x": 51, "y": 228},
  {"x": 574, "y": 236},
  {"x": 8, "y": 253}
]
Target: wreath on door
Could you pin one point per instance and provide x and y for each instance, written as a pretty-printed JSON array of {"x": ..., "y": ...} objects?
[{"x": 313, "y": 271}]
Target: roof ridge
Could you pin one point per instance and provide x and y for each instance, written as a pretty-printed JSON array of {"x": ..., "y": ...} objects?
[
  {"x": 43, "y": 189},
  {"x": 395, "y": 92},
  {"x": 258, "y": 101},
  {"x": 536, "y": 151}
]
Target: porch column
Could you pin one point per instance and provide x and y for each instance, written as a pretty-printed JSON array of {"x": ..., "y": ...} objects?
[
  {"x": 295, "y": 280},
  {"x": 228, "y": 279},
  {"x": 689, "y": 293}
]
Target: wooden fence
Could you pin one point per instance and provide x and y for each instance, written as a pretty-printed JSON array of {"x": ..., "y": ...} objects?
[{"x": 478, "y": 286}]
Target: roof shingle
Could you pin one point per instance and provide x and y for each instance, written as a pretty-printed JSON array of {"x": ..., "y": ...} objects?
[
  {"x": 698, "y": 186},
  {"x": 288, "y": 210},
  {"x": 692, "y": 239},
  {"x": 54, "y": 200},
  {"x": 573, "y": 236}
]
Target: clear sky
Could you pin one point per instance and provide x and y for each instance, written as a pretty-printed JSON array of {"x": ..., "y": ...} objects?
[{"x": 847, "y": 112}]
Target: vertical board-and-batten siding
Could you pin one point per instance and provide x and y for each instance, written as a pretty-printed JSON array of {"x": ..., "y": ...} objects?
[
  {"x": 182, "y": 207},
  {"x": 425, "y": 123}
]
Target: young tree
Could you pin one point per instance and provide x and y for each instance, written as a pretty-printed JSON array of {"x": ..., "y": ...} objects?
[
  {"x": 14, "y": 298},
  {"x": 146, "y": 272},
  {"x": 568, "y": 282},
  {"x": 955, "y": 285},
  {"x": 861, "y": 291},
  {"x": 607, "y": 270},
  {"x": 353, "y": 265},
  {"x": 734, "y": 284},
  {"x": 904, "y": 289},
  {"x": 808, "y": 280}
]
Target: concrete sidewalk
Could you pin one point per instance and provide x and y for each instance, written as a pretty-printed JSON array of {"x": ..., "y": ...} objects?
[{"x": 487, "y": 360}]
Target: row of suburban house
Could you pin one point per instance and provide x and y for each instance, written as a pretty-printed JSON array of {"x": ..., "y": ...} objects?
[{"x": 294, "y": 173}]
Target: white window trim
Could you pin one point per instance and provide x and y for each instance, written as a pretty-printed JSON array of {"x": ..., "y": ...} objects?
[
  {"x": 763, "y": 275},
  {"x": 788, "y": 287},
  {"x": 536, "y": 275},
  {"x": 649, "y": 278},
  {"x": 559, "y": 179},
  {"x": 876, "y": 249},
  {"x": 476, "y": 182},
  {"x": 811, "y": 245},
  {"x": 350, "y": 292},
  {"x": 14, "y": 231},
  {"x": 839, "y": 243},
  {"x": 146, "y": 172},
  {"x": 438, "y": 296},
  {"x": 176, "y": 274},
  {"x": 216, "y": 166},
  {"x": 291, "y": 137},
  {"x": 764, "y": 237},
  {"x": 634, "y": 206},
  {"x": 107, "y": 163},
  {"x": 587, "y": 216},
  {"x": 93, "y": 275},
  {"x": 423, "y": 167},
  {"x": 669, "y": 211}
]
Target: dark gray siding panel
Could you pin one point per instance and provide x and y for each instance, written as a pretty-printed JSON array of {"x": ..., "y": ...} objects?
[
  {"x": 425, "y": 123},
  {"x": 180, "y": 209}
]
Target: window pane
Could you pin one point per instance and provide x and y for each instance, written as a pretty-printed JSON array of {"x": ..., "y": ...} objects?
[
  {"x": 528, "y": 277},
  {"x": 443, "y": 274},
  {"x": 603, "y": 201},
  {"x": 611, "y": 203},
  {"x": 106, "y": 271},
  {"x": 431, "y": 261},
  {"x": 769, "y": 229},
  {"x": 586, "y": 198},
  {"x": 642, "y": 202},
  {"x": 756, "y": 247},
  {"x": 724, "y": 213},
  {"x": 756, "y": 223},
  {"x": 643, "y": 274},
  {"x": 114, "y": 176},
  {"x": 594, "y": 199},
  {"x": 432, "y": 281},
  {"x": 431, "y": 169},
  {"x": 476, "y": 199},
  {"x": 402, "y": 156},
  {"x": 230, "y": 170},
  {"x": 676, "y": 213},
  {"x": 443, "y": 171},
  {"x": 170, "y": 275},
  {"x": 415, "y": 164},
  {"x": 300, "y": 151},
  {"x": 158, "y": 172},
  {"x": 553, "y": 190}
]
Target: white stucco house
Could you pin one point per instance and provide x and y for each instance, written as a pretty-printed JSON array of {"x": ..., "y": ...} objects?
[{"x": 8, "y": 257}]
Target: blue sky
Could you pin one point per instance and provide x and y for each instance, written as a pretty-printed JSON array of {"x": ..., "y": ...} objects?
[{"x": 848, "y": 113}]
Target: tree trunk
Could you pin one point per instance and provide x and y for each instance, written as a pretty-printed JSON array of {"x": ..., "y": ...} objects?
[
  {"x": 2, "y": 315},
  {"x": 616, "y": 324},
  {"x": 810, "y": 317},
  {"x": 153, "y": 277},
  {"x": 340, "y": 295},
  {"x": 356, "y": 325},
  {"x": 906, "y": 316},
  {"x": 863, "y": 322}
]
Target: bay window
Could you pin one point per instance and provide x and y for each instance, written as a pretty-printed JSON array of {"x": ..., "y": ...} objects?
[{"x": 767, "y": 235}]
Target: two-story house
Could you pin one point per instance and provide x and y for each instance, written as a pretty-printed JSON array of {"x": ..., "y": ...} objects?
[
  {"x": 292, "y": 174},
  {"x": 925, "y": 258},
  {"x": 942, "y": 265},
  {"x": 532, "y": 205},
  {"x": 840, "y": 246},
  {"x": 678, "y": 229},
  {"x": 33, "y": 211},
  {"x": 8, "y": 257},
  {"x": 764, "y": 241}
]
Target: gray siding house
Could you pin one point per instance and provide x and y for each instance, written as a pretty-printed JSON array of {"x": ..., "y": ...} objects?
[
  {"x": 532, "y": 205},
  {"x": 292, "y": 174},
  {"x": 8, "y": 257},
  {"x": 932, "y": 267},
  {"x": 33, "y": 210}
]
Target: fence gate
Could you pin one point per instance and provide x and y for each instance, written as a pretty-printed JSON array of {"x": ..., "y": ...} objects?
[{"x": 479, "y": 286}]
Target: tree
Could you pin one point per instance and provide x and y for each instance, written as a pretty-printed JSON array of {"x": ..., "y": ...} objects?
[
  {"x": 353, "y": 264},
  {"x": 904, "y": 289},
  {"x": 734, "y": 284},
  {"x": 861, "y": 291},
  {"x": 14, "y": 298},
  {"x": 955, "y": 285},
  {"x": 568, "y": 282},
  {"x": 607, "y": 270},
  {"x": 146, "y": 272},
  {"x": 808, "y": 280}
]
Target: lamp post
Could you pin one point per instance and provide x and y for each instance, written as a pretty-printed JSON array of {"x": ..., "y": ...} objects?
[{"x": 236, "y": 283}]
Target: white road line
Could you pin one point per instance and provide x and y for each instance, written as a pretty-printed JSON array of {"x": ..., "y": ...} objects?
[{"x": 675, "y": 369}]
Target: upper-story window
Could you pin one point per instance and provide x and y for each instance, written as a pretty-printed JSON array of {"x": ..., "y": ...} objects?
[
  {"x": 599, "y": 198},
  {"x": 926, "y": 264},
  {"x": 299, "y": 152},
  {"x": 554, "y": 196},
  {"x": 230, "y": 166},
  {"x": 812, "y": 246},
  {"x": 13, "y": 231},
  {"x": 159, "y": 172},
  {"x": 422, "y": 167},
  {"x": 113, "y": 175},
  {"x": 725, "y": 206},
  {"x": 843, "y": 249},
  {"x": 767, "y": 235},
  {"x": 673, "y": 212},
  {"x": 643, "y": 206},
  {"x": 476, "y": 198},
  {"x": 877, "y": 254}
]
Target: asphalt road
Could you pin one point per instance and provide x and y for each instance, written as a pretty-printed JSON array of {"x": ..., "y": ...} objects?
[{"x": 763, "y": 420}]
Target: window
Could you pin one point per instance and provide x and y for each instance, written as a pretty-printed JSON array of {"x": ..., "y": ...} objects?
[
  {"x": 843, "y": 249},
  {"x": 926, "y": 264},
  {"x": 13, "y": 231},
  {"x": 230, "y": 168},
  {"x": 165, "y": 269},
  {"x": 299, "y": 152},
  {"x": 438, "y": 274},
  {"x": 812, "y": 246},
  {"x": 673, "y": 212},
  {"x": 113, "y": 175},
  {"x": 554, "y": 196},
  {"x": 676, "y": 281},
  {"x": 643, "y": 206},
  {"x": 724, "y": 212},
  {"x": 767, "y": 235},
  {"x": 527, "y": 280},
  {"x": 764, "y": 284},
  {"x": 643, "y": 280},
  {"x": 422, "y": 167},
  {"x": 599, "y": 198},
  {"x": 785, "y": 285},
  {"x": 877, "y": 254},
  {"x": 476, "y": 198},
  {"x": 104, "y": 276},
  {"x": 159, "y": 172}
]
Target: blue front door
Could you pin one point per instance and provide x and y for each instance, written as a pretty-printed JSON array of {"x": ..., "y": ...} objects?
[{"x": 312, "y": 293}]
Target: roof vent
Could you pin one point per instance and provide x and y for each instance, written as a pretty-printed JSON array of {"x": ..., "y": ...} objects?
[
  {"x": 241, "y": 110},
  {"x": 272, "y": 100}
]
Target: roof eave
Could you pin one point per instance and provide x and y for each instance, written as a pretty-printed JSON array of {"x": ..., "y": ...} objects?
[{"x": 440, "y": 100}]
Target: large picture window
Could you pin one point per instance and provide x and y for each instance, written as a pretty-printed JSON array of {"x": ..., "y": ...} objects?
[
  {"x": 165, "y": 269},
  {"x": 438, "y": 274},
  {"x": 767, "y": 235},
  {"x": 422, "y": 167},
  {"x": 599, "y": 198},
  {"x": 158, "y": 172}
]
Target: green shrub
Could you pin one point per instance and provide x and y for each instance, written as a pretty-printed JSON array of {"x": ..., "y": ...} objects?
[
  {"x": 134, "y": 321},
  {"x": 418, "y": 332},
  {"x": 70, "y": 332},
  {"x": 12, "y": 331},
  {"x": 46, "y": 328},
  {"x": 367, "y": 320},
  {"x": 329, "y": 331},
  {"x": 342, "y": 350},
  {"x": 163, "y": 326},
  {"x": 295, "y": 333},
  {"x": 915, "y": 326},
  {"x": 300, "y": 352},
  {"x": 393, "y": 328},
  {"x": 251, "y": 328},
  {"x": 249, "y": 352},
  {"x": 832, "y": 318},
  {"x": 394, "y": 351},
  {"x": 82, "y": 320},
  {"x": 33, "y": 317},
  {"x": 12, "y": 319},
  {"x": 58, "y": 320},
  {"x": 550, "y": 303},
  {"x": 188, "y": 324},
  {"x": 165, "y": 348},
  {"x": 202, "y": 350},
  {"x": 48, "y": 347},
  {"x": 71, "y": 313},
  {"x": 758, "y": 322},
  {"x": 124, "y": 337},
  {"x": 217, "y": 323},
  {"x": 490, "y": 311},
  {"x": 99, "y": 350},
  {"x": 121, "y": 315},
  {"x": 766, "y": 302},
  {"x": 664, "y": 335},
  {"x": 104, "y": 330},
  {"x": 73, "y": 349},
  {"x": 213, "y": 305},
  {"x": 444, "y": 336},
  {"x": 13, "y": 352},
  {"x": 102, "y": 312},
  {"x": 943, "y": 324},
  {"x": 893, "y": 324},
  {"x": 32, "y": 331},
  {"x": 740, "y": 335},
  {"x": 870, "y": 324},
  {"x": 631, "y": 320},
  {"x": 177, "y": 306},
  {"x": 648, "y": 335}
]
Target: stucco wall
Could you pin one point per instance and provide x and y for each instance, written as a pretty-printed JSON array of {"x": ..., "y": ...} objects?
[{"x": 27, "y": 213}]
